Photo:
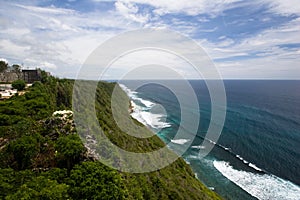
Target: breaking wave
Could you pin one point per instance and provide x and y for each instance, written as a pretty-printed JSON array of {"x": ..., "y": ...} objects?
[
  {"x": 180, "y": 141},
  {"x": 261, "y": 186},
  {"x": 141, "y": 111}
]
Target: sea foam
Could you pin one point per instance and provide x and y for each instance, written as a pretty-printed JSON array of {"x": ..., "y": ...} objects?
[
  {"x": 142, "y": 113},
  {"x": 261, "y": 186},
  {"x": 198, "y": 147},
  {"x": 180, "y": 141}
]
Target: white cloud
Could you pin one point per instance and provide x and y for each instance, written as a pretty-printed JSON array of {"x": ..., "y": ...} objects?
[
  {"x": 131, "y": 11},
  {"x": 284, "y": 7},
  {"x": 46, "y": 10},
  {"x": 209, "y": 30},
  {"x": 265, "y": 56},
  {"x": 7, "y": 46},
  {"x": 4, "y": 60},
  {"x": 225, "y": 42},
  {"x": 281, "y": 7},
  {"x": 49, "y": 37},
  {"x": 48, "y": 65},
  {"x": 286, "y": 34},
  {"x": 190, "y": 7},
  {"x": 260, "y": 68},
  {"x": 61, "y": 39}
]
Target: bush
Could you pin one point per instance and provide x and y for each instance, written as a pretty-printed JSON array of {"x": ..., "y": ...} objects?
[
  {"x": 24, "y": 149},
  {"x": 18, "y": 84},
  {"x": 93, "y": 180}
]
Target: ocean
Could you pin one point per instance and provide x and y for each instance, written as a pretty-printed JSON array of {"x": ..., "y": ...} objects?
[{"x": 258, "y": 153}]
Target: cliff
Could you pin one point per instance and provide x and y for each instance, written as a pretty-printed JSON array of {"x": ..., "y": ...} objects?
[{"x": 42, "y": 157}]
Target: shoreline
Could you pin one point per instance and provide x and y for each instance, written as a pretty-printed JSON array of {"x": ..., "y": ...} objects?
[
  {"x": 131, "y": 111},
  {"x": 256, "y": 177}
]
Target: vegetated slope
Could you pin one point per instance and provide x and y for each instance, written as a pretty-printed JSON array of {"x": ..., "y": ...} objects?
[{"x": 42, "y": 157}]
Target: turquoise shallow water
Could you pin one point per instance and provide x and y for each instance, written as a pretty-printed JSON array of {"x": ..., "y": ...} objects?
[{"x": 258, "y": 152}]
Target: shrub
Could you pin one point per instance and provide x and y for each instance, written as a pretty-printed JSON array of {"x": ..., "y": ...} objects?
[
  {"x": 18, "y": 84},
  {"x": 92, "y": 180}
]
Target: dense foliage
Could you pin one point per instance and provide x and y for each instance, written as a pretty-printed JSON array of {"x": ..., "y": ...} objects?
[
  {"x": 42, "y": 157},
  {"x": 18, "y": 84},
  {"x": 3, "y": 66}
]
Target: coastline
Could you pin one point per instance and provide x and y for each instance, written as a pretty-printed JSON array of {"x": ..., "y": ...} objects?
[
  {"x": 233, "y": 177},
  {"x": 133, "y": 108}
]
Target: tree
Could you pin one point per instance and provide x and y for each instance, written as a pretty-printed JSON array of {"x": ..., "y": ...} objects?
[
  {"x": 3, "y": 66},
  {"x": 18, "y": 84},
  {"x": 24, "y": 149},
  {"x": 69, "y": 150},
  {"x": 17, "y": 70},
  {"x": 40, "y": 188},
  {"x": 93, "y": 180}
]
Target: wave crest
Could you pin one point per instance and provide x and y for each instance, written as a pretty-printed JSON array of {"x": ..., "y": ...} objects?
[{"x": 261, "y": 186}]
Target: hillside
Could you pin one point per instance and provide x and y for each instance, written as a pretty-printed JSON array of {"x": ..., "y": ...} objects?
[{"x": 42, "y": 157}]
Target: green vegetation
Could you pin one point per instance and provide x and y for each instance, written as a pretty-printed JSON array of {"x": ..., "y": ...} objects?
[
  {"x": 42, "y": 157},
  {"x": 18, "y": 84},
  {"x": 16, "y": 68},
  {"x": 3, "y": 66}
]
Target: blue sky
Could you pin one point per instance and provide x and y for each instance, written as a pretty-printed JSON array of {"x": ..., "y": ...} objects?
[{"x": 256, "y": 39}]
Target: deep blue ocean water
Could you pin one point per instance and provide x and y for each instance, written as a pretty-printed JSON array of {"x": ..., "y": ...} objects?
[{"x": 258, "y": 152}]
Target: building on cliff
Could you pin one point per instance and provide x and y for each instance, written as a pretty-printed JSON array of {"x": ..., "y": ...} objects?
[{"x": 29, "y": 75}]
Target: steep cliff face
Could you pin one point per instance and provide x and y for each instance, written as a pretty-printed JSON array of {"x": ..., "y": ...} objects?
[
  {"x": 9, "y": 77},
  {"x": 176, "y": 181},
  {"x": 29, "y": 76},
  {"x": 42, "y": 158}
]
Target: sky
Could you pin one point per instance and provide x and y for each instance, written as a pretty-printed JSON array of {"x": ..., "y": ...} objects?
[{"x": 257, "y": 39}]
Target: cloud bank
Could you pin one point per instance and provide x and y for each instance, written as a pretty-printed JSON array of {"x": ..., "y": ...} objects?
[{"x": 245, "y": 39}]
